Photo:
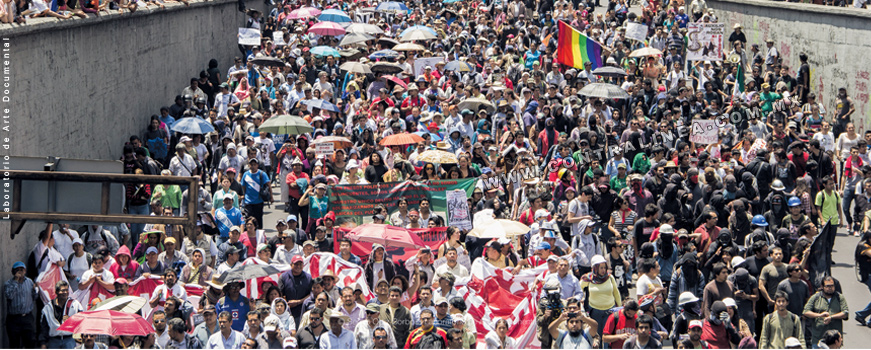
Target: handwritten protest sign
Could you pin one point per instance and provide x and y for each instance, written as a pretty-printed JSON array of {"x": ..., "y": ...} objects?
[
  {"x": 704, "y": 131},
  {"x": 249, "y": 36}
]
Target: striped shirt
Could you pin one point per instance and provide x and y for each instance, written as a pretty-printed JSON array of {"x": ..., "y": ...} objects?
[{"x": 21, "y": 296}]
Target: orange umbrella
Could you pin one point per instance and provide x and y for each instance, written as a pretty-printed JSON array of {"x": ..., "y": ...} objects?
[{"x": 401, "y": 139}]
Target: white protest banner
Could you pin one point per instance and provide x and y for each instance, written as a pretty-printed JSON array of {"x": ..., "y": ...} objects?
[
  {"x": 705, "y": 41},
  {"x": 636, "y": 31},
  {"x": 249, "y": 36},
  {"x": 458, "y": 209},
  {"x": 421, "y": 63},
  {"x": 324, "y": 149},
  {"x": 704, "y": 131},
  {"x": 278, "y": 38}
]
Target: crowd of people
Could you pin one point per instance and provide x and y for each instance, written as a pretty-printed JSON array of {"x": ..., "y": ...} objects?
[{"x": 644, "y": 238}]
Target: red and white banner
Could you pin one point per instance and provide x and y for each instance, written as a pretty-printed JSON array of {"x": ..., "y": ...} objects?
[
  {"x": 347, "y": 274},
  {"x": 143, "y": 287},
  {"x": 492, "y": 293},
  {"x": 47, "y": 281},
  {"x": 254, "y": 287},
  {"x": 432, "y": 237}
]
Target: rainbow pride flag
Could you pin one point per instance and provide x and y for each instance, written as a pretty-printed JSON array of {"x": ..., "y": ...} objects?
[{"x": 574, "y": 48}]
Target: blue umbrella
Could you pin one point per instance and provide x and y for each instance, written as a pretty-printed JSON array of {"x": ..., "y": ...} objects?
[
  {"x": 450, "y": 1},
  {"x": 322, "y": 104},
  {"x": 333, "y": 15},
  {"x": 392, "y": 6},
  {"x": 433, "y": 137},
  {"x": 192, "y": 125},
  {"x": 419, "y": 27},
  {"x": 384, "y": 54},
  {"x": 323, "y": 51}
]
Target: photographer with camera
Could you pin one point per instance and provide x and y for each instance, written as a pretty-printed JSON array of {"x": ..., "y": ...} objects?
[
  {"x": 550, "y": 308},
  {"x": 575, "y": 335}
]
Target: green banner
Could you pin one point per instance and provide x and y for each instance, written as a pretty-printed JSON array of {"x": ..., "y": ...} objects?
[{"x": 355, "y": 204}]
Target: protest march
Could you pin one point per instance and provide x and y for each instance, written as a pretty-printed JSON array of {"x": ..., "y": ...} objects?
[{"x": 472, "y": 174}]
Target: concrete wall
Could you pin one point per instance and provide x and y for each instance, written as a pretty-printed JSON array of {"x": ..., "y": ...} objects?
[
  {"x": 836, "y": 40},
  {"x": 81, "y": 87}
]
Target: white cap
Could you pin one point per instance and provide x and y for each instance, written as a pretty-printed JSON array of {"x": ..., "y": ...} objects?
[
  {"x": 596, "y": 260},
  {"x": 290, "y": 343},
  {"x": 541, "y": 213},
  {"x": 730, "y": 302},
  {"x": 666, "y": 229},
  {"x": 792, "y": 342},
  {"x": 270, "y": 324},
  {"x": 185, "y": 139},
  {"x": 353, "y": 163},
  {"x": 737, "y": 261}
]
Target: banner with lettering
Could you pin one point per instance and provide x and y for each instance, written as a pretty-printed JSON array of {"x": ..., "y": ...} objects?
[
  {"x": 432, "y": 237},
  {"x": 355, "y": 204}
]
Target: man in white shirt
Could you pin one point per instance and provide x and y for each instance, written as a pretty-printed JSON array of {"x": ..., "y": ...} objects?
[
  {"x": 227, "y": 338},
  {"x": 285, "y": 253},
  {"x": 182, "y": 164},
  {"x": 675, "y": 75},
  {"x": 161, "y": 332},
  {"x": 338, "y": 337},
  {"x": 364, "y": 333},
  {"x": 97, "y": 274},
  {"x": 225, "y": 99},
  {"x": 63, "y": 239},
  {"x": 169, "y": 288}
]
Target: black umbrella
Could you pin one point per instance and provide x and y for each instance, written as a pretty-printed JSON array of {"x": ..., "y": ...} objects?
[
  {"x": 268, "y": 61},
  {"x": 610, "y": 72},
  {"x": 386, "y": 68},
  {"x": 387, "y": 43},
  {"x": 247, "y": 272}
]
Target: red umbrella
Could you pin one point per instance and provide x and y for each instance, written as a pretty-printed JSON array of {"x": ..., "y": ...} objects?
[
  {"x": 386, "y": 235},
  {"x": 401, "y": 139},
  {"x": 108, "y": 322},
  {"x": 394, "y": 79}
]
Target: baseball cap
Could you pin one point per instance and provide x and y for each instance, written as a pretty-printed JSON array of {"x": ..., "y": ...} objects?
[
  {"x": 289, "y": 343},
  {"x": 695, "y": 323},
  {"x": 121, "y": 280},
  {"x": 18, "y": 264},
  {"x": 296, "y": 258},
  {"x": 151, "y": 250},
  {"x": 291, "y": 218},
  {"x": 270, "y": 324}
]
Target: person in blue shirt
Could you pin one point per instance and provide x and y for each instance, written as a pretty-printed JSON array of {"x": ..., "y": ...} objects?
[
  {"x": 236, "y": 304},
  {"x": 227, "y": 217},
  {"x": 253, "y": 180},
  {"x": 532, "y": 55}
]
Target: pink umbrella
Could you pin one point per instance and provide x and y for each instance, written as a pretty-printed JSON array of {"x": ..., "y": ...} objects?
[
  {"x": 327, "y": 28},
  {"x": 386, "y": 235},
  {"x": 397, "y": 80},
  {"x": 304, "y": 12},
  {"x": 109, "y": 322}
]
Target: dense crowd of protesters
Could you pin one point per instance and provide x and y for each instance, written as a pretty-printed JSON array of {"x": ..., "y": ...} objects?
[{"x": 648, "y": 239}]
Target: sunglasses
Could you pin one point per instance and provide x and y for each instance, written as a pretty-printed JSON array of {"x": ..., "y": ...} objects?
[
  {"x": 314, "y": 319},
  {"x": 379, "y": 337}
]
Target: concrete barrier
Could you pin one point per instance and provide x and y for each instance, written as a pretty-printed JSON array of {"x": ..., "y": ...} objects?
[
  {"x": 837, "y": 41},
  {"x": 81, "y": 87}
]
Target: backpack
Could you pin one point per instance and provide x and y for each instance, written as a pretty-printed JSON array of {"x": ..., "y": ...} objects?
[
  {"x": 559, "y": 341},
  {"x": 863, "y": 263},
  {"x": 32, "y": 264}
]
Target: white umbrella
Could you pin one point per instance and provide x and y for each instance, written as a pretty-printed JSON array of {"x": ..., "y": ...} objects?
[
  {"x": 355, "y": 38},
  {"x": 603, "y": 90},
  {"x": 418, "y": 34},
  {"x": 356, "y": 67},
  {"x": 123, "y": 303},
  {"x": 364, "y": 28}
]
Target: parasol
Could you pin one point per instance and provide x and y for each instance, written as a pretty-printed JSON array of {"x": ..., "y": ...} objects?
[
  {"x": 437, "y": 156},
  {"x": 401, "y": 139},
  {"x": 386, "y": 235},
  {"x": 603, "y": 90},
  {"x": 286, "y": 124},
  {"x": 108, "y": 322}
]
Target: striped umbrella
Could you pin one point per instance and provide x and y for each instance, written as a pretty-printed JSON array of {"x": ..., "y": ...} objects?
[
  {"x": 327, "y": 28},
  {"x": 333, "y": 15}
]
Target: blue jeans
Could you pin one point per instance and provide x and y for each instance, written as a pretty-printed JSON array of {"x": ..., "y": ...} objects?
[
  {"x": 862, "y": 315},
  {"x": 136, "y": 229},
  {"x": 601, "y": 316},
  {"x": 849, "y": 194},
  {"x": 65, "y": 342}
]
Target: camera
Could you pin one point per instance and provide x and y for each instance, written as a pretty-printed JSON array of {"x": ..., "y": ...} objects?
[{"x": 572, "y": 315}]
